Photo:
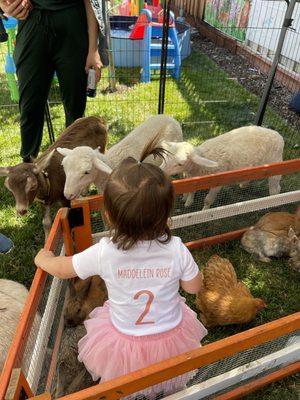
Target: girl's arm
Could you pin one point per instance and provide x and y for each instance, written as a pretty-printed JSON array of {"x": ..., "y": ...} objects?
[
  {"x": 93, "y": 58},
  {"x": 193, "y": 286},
  {"x": 61, "y": 266}
]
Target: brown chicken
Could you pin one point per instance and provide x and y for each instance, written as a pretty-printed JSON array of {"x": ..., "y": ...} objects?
[{"x": 223, "y": 299}]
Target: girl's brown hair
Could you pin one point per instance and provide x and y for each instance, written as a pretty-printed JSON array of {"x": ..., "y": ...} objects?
[{"x": 138, "y": 199}]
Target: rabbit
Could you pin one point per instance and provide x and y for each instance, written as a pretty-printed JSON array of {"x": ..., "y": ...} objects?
[
  {"x": 294, "y": 261},
  {"x": 269, "y": 236},
  {"x": 85, "y": 295},
  {"x": 72, "y": 375}
]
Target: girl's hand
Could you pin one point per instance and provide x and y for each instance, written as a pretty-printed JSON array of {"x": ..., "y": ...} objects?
[
  {"x": 94, "y": 61},
  {"x": 60, "y": 266},
  {"x": 42, "y": 256}
]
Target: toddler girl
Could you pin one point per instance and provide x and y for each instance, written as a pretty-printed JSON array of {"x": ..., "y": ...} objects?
[{"x": 145, "y": 319}]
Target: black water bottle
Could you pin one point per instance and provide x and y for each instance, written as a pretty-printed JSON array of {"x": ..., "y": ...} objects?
[{"x": 91, "y": 83}]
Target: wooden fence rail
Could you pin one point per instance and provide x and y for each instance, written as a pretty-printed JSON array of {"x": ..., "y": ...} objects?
[{"x": 194, "y": 8}]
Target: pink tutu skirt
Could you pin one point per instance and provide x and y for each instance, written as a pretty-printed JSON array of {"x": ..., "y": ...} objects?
[{"x": 108, "y": 353}]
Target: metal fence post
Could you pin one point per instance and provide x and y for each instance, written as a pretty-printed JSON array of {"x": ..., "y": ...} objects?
[
  {"x": 287, "y": 22},
  {"x": 164, "y": 57}
]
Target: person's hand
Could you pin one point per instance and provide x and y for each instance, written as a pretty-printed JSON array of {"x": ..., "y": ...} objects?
[
  {"x": 41, "y": 256},
  {"x": 94, "y": 61},
  {"x": 16, "y": 8}
]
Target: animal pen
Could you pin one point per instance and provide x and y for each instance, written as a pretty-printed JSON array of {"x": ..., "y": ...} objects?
[
  {"x": 207, "y": 102},
  {"x": 227, "y": 369}
]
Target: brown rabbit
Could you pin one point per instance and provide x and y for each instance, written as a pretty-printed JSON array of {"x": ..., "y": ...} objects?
[
  {"x": 85, "y": 295},
  {"x": 269, "y": 236}
]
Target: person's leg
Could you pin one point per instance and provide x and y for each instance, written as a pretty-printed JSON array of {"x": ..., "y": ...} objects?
[
  {"x": 34, "y": 72},
  {"x": 69, "y": 54}
]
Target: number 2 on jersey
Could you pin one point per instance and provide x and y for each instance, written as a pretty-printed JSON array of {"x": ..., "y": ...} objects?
[{"x": 150, "y": 295}]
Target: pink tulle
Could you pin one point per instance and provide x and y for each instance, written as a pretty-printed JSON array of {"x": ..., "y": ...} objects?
[{"x": 108, "y": 353}]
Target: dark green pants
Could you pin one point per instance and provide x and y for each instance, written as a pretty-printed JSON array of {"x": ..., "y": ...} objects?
[{"x": 49, "y": 41}]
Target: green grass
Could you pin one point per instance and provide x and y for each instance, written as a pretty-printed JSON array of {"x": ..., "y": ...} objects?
[
  {"x": 207, "y": 102},
  {"x": 287, "y": 389}
]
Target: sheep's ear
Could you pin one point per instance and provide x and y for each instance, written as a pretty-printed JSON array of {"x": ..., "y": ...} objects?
[
  {"x": 4, "y": 171},
  {"x": 171, "y": 147},
  {"x": 63, "y": 151},
  {"x": 204, "y": 162},
  {"x": 43, "y": 163},
  {"x": 101, "y": 166}
]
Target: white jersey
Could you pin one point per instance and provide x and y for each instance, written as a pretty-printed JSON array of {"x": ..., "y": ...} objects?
[{"x": 142, "y": 282}]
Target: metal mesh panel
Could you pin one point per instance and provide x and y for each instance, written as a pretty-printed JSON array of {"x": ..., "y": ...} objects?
[
  {"x": 230, "y": 372},
  {"x": 204, "y": 98},
  {"x": 234, "y": 208},
  {"x": 39, "y": 344},
  {"x": 244, "y": 357}
]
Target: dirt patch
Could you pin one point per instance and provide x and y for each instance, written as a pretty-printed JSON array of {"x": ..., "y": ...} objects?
[{"x": 248, "y": 76}]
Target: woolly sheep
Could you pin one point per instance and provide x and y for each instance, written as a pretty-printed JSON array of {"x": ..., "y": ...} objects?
[
  {"x": 240, "y": 148},
  {"x": 84, "y": 166},
  {"x": 12, "y": 299}
]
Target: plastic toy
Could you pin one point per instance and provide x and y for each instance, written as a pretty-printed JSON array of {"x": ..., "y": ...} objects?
[
  {"x": 151, "y": 33},
  {"x": 134, "y": 7},
  {"x": 10, "y": 25}
]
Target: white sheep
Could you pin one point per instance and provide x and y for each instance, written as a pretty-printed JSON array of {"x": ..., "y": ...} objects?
[
  {"x": 12, "y": 299},
  {"x": 84, "y": 165},
  {"x": 240, "y": 148}
]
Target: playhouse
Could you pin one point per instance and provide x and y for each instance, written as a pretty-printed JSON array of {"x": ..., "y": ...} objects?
[
  {"x": 137, "y": 41},
  {"x": 134, "y": 7}
]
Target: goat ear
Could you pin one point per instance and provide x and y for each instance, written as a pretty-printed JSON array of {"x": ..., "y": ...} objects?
[
  {"x": 63, "y": 151},
  {"x": 4, "y": 171},
  {"x": 43, "y": 163},
  {"x": 204, "y": 162},
  {"x": 101, "y": 166}
]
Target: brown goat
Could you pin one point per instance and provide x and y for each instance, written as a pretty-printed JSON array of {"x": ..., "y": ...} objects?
[
  {"x": 44, "y": 180},
  {"x": 85, "y": 295}
]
